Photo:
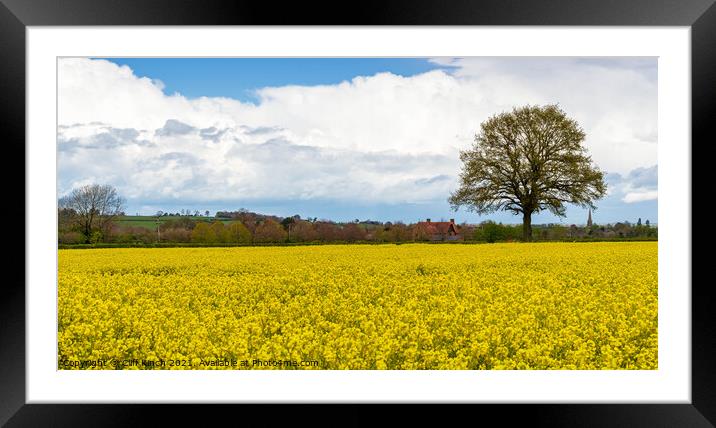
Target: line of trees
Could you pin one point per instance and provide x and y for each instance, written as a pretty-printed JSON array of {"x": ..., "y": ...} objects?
[
  {"x": 490, "y": 231},
  {"x": 89, "y": 215},
  {"x": 297, "y": 230},
  {"x": 254, "y": 232},
  {"x": 183, "y": 212}
]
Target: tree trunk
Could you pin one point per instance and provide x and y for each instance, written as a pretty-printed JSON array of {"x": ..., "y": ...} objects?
[
  {"x": 527, "y": 226},
  {"x": 88, "y": 232}
]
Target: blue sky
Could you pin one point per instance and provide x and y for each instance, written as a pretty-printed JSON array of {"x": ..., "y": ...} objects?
[
  {"x": 239, "y": 78},
  {"x": 339, "y": 138}
]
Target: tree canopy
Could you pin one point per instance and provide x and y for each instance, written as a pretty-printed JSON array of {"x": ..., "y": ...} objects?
[{"x": 525, "y": 161}]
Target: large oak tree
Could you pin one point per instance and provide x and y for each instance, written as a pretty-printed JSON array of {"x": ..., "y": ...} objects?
[{"x": 525, "y": 161}]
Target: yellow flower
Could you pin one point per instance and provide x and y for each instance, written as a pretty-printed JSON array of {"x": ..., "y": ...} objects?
[{"x": 414, "y": 306}]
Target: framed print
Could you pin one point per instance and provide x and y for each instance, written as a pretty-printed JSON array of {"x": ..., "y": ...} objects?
[{"x": 406, "y": 205}]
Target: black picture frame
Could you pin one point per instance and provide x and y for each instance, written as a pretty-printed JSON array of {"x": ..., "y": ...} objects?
[{"x": 16, "y": 15}]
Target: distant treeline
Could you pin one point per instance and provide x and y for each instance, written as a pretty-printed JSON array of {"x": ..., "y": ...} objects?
[{"x": 247, "y": 228}]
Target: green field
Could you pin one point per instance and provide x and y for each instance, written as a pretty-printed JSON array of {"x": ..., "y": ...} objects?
[{"x": 150, "y": 222}]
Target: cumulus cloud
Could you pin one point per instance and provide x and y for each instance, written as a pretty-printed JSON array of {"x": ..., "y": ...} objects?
[
  {"x": 647, "y": 195},
  {"x": 242, "y": 164},
  {"x": 639, "y": 185},
  {"x": 613, "y": 99},
  {"x": 642, "y": 184},
  {"x": 644, "y": 177},
  {"x": 174, "y": 127},
  {"x": 383, "y": 138}
]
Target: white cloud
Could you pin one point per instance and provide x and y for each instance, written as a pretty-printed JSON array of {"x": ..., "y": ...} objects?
[
  {"x": 199, "y": 164},
  {"x": 647, "y": 195},
  {"x": 615, "y": 100},
  {"x": 640, "y": 185},
  {"x": 383, "y": 138}
]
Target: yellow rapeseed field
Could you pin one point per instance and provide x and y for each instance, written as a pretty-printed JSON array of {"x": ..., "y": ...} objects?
[{"x": 413, "y": 306}]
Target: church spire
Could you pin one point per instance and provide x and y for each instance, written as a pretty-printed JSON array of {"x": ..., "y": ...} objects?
[{"x": 589, "y": 219}]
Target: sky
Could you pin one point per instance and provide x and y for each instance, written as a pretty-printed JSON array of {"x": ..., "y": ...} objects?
[{"x": 339, "y": 138}]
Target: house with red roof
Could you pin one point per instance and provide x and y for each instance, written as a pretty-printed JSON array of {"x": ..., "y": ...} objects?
[{"x": 437, "y": 231}]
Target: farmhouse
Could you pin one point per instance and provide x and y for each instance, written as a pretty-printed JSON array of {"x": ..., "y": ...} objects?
[{"x": 438, "y": 230}]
